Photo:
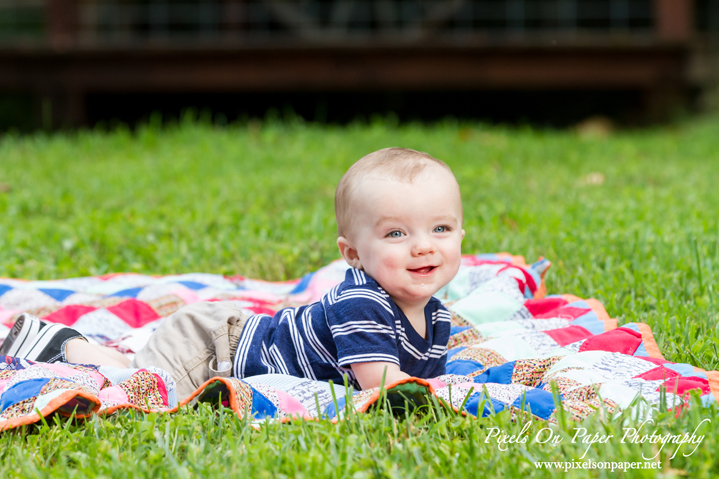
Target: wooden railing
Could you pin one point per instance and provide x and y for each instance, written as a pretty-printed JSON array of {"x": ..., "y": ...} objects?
[
  {"x": 134, "y": 22},
  {"x": 82, "y": 50}
]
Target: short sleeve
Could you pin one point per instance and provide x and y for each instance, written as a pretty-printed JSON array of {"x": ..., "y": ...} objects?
[
  {"x": 362, "y": 323},
  {"x": 442, "y": 326},
  {"x": 439, "y": 367}
]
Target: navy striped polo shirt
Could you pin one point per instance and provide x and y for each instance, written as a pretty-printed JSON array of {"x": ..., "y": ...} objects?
[{"x": 356, "y": 322}]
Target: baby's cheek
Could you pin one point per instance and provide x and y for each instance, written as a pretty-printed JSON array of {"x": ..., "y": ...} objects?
[
  {"x": 453, "y": 250},
  {"x": 392, "y": 260}
]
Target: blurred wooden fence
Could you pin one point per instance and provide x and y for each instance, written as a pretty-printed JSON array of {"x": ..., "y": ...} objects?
[{"x": 61, "y": 50}]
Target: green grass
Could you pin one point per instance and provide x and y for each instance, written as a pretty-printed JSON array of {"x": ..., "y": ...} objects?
[{"x": 257, "y": 200}]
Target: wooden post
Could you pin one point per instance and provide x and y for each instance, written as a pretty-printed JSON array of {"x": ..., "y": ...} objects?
[
  {"x": 233, "y": 18},
  {"x": 63, "y": 101},
  {"x": 674, "y": 20},
  {"x": 62, "y": 22},
  {"x": 674, "y": 23}
]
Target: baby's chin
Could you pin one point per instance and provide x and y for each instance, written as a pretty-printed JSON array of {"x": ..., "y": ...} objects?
[{"x": 423, "y": 291}]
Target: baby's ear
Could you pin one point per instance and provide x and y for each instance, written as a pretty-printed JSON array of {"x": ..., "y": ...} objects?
[{"x": 349, "y": 252}]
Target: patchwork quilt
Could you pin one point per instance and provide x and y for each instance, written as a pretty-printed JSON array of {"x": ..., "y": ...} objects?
[{"x": 513, "y": 347}]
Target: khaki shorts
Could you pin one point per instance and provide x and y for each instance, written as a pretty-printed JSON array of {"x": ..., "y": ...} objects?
[{"x": 194, "y": 344}]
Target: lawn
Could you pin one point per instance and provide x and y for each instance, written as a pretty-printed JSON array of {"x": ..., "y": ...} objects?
[{"x": 629, "y": 219}]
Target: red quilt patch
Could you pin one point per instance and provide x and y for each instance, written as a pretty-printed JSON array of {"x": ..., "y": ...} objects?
[
  {"x": 135, "y": 313},
  {"x": 569, "y": 312},
  {"x": 620, "y": 340},
  {"x": 658, "y": 373},
  {"x": 544, "y": 305},
  {"x": 569, "y": 335},
  {"x": 69, "y": 314},
  {"x": 681, "y": 385}
]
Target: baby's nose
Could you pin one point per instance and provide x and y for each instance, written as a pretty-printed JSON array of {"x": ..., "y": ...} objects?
[{"x": 423, "y": 246}]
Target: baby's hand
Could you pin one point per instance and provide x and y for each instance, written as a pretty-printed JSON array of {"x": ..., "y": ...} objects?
[{"x": 369, "y": 375}]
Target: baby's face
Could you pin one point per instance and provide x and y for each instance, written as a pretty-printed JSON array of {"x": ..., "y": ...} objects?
[{"x": 408, "y": 236}]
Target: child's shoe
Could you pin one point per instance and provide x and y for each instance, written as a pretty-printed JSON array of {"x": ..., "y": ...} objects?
[{"x": 37, "y": 340}]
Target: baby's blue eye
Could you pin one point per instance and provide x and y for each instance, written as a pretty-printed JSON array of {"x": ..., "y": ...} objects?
[
  {"x": 395, "y": 234},
  {"x": 441, "y": 229}
]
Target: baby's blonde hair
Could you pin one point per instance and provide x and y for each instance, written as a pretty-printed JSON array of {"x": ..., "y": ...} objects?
[{"x": 400, "y": 164}]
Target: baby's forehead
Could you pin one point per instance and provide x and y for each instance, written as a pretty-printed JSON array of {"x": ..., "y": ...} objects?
[
  {"x": 380, "y": 178},
  {"x": 372, "y": 191}
]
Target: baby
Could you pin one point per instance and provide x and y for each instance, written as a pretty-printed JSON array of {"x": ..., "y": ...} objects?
[{"x": 399, "y": 222}]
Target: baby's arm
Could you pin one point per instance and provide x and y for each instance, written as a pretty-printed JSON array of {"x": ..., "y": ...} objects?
[
  {"x": 369, "y": 375},
  {"x": 79, "y": 351}
]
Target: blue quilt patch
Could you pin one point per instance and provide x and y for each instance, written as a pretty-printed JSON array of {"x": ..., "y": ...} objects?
[
  {"x": 302, "y": 285},
  {"x": 261, "y": 406},
  {"x": 498, "y": 374},
  {"x": 463, "y": 367},
  {"x": 4, "y": 289},
  {"x": 490, "y": 406},
  {"x": 57, "y": 294},
  {"x": 21, "y": 391},
  {"x": 192, "y": 285},
  {"x": 538, "y": 401},
  {"x": 127, "y": 293}
]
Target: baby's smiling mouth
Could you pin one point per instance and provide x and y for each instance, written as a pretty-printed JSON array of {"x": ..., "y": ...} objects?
[{"x": 423, "y": 270}]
